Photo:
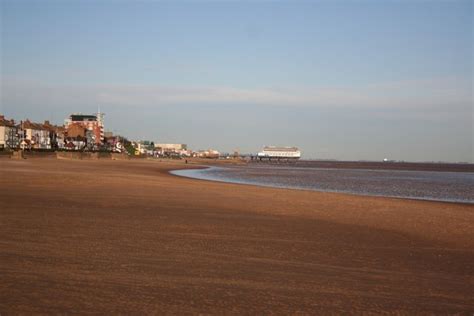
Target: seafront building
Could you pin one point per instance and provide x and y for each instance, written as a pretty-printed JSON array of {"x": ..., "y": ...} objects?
[
  {"x": 56, "y": 135},
  {"x": 88, "y": 127},
  {"x": 170, "y": 147},
  {"x": 209, "y": 153},
  {"x": 9, "y": 137},
  {"x": 35, "y": 135},
  {"x": 167, "y": 149},
  {"x": 60, "y": 135},
  {"x": 278, "y": 152},
  {"x": 144, "y": 147}
]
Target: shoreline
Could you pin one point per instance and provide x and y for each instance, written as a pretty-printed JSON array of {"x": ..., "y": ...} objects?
[
  {"x": 379, "y": 165},
  {"x": 129, "y": 237},
  {"x": 302, "y": 163},
  {"x": 236, "y": 182}
]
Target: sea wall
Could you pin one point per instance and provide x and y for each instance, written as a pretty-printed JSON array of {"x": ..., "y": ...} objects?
[
  {"x": 117, "y": 156},
  {"x": 5, "y": 154},
  {"x": 82, "y": 155},
  {"x": 38, "y": 154}
]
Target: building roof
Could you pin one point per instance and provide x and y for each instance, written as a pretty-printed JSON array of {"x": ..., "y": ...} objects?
[
  {"x": 5, "y": 122},
  {"x": 49, "y": 126},
  {"x": 81, "y": 117},
  {"x": 279, "y": 148},
  {"x": 60, "y": 129},
  {"x": 31, "y": 125}
]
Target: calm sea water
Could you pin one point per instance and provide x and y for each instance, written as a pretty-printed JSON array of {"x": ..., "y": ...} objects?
[{"x": 426, "y": 185}]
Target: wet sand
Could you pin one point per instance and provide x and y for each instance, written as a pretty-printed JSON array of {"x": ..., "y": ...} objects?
[
  {"x": 126, "y": 237},
  {"x": 374, "y": 165}
]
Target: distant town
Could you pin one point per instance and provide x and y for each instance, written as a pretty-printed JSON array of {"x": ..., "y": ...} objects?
[{"x": 86, "y": 133}]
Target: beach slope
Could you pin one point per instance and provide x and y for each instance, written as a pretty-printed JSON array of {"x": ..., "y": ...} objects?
[{"x": 126, "y": 237}]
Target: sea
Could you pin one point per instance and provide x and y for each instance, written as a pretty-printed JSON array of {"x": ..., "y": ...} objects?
[{"x": 411, "y": 184}]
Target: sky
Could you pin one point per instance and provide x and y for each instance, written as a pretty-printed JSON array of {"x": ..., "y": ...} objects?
[{"x": 348, "y": 80}]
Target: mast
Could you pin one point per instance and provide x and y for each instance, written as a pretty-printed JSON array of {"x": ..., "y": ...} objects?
[{"x": 100, "y": 120}]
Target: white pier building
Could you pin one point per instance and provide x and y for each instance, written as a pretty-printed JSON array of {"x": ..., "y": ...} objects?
[{"x": 277, "y": 153}]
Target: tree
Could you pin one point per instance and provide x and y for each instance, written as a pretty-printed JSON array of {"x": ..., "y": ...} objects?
[{"x": 129, "y": 148}]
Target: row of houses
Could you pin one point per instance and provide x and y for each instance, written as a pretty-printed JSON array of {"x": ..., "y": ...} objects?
[
  {"x": 8, "y": 133},
  {"x": 79, "y": 132},
  {"x": 171, "y": 150},
  {"x": 85, "y": 132},
  {"x": 28, "y": 134}
]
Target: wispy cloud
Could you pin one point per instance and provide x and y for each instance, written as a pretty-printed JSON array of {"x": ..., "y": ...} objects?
[{"x": 453, "y": 94}]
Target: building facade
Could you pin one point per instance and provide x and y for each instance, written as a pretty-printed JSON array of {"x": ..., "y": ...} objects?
[
  {"x": 209, "y": 153},
  {"x": 35, "y": 135},
  {"x": 170, "y": 147},
  {"x": 275, "y": 152},
  {"x": 9, "y": 136},
  {"x": 93, "y": 124},
  {"x": 162, "y": 149}
]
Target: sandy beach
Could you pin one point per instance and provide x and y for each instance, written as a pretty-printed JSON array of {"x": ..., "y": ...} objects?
[{"x": 127, "y": 237}]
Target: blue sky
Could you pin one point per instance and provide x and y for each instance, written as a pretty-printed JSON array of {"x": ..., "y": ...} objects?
[{"x": 343, "y": 79}]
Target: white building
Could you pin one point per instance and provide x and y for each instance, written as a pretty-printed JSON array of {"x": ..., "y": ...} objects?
[
  {"x": 274, "y": 152},
  {"x": 210, "y": 153},
  {"x": 8, "y": 133},
  {"x": 171, "y": 147},
  {"x": 37, "y": 136}
]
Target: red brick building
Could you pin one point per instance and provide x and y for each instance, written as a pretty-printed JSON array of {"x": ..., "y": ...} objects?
[{"x": 92, "y": 123}]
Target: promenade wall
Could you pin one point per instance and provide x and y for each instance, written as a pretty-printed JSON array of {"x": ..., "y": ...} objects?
[
  {"x": 82, "y": 155},
  {"x": 39, "y": 154},
  {"x": 117, "y": 156}
]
